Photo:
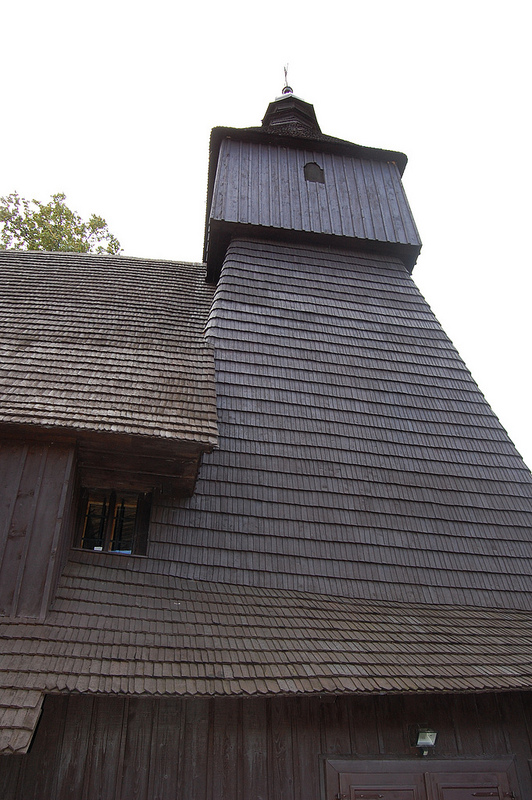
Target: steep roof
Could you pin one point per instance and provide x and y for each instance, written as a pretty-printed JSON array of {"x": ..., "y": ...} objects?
[
  {"x": 106, "y": 344},
  {"x": 193, "y": 638}
]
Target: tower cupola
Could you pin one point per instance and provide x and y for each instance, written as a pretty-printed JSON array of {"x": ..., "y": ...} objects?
[{"x": 289, "y": 115}]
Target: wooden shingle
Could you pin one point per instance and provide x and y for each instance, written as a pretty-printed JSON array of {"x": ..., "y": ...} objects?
[
  {"x": 357, "y": 455},
  {"x": 106, "y": 344},
  {"x": 227, "y": 639}
]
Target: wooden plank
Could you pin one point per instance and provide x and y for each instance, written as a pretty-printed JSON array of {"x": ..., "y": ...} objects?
[
  {"x": 447, "y": 745},
  {"x": 491, "y": 730},
  {"x": 33, "y": 540},
  {"x": 20, "y": 529},
  {"x": 362, "y": 725},
  {"x": 104, "y": 752},
  {"x": 11, "y": 769},
  {"x": 516, "y": 711},
  {"x": 466, "y": 725},
  {"x": 44, "y": 536},
  {"x": 392, "y": 730},
  {"x": 196, "y": 747},
  {"x": 137, "y": 749},
  {"x": 306, "y": 748},
  {"x": 168, "y": 755},
  {"x": 40, "y": 773},
  {"x": 226, "y": 756},
  {"x": 12, "y": 461},
  {"x": 281, "y": 766},
  {"x": 73, "y": 762},
  {"x": 255, "y": 781},
  {"x": 334, "y": 726}
]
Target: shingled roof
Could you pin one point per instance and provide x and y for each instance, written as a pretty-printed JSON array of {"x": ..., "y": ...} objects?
[
  {"x": 106, "y": 344},
  {"x": 118, "y": 629}
]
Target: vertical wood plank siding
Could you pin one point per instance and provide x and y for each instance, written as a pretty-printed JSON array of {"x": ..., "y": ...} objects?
[
  {"x": 260, "y": 184},
  {"x": 247, "y": 749},
  {"x": 35, "y": 493}
]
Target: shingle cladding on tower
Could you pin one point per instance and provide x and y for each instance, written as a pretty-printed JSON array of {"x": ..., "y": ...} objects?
[{"x": 357, "y": 455}]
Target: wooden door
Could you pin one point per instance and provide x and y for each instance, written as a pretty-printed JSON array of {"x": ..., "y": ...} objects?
[
  {"x": 386, "y": 793},
  {"x": 468, "y": 785},
  {"x": 420, "y": 780},
  {"x": 393, "y": 786}
]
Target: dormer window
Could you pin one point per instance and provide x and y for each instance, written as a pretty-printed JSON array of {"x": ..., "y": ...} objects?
[
  {"x": 314, "y": 173},
  {"x": 114, "y": 521}
]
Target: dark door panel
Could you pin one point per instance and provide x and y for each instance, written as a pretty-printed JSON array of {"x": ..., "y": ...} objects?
[
  {"x": 420, "y": 779},
  {"x": 468, "y": 785}
]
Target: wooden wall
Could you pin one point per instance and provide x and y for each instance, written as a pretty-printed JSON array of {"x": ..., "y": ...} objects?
[
  {"x": 265, "y": 185},
  {"x": 36, "y": 486},
  {"x": 246, "y": 749}
]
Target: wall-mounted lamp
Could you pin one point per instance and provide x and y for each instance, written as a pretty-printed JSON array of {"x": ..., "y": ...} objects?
[{"x": 426, "y": 738}]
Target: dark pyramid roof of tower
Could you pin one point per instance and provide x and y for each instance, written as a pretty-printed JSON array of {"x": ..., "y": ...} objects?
[
  {"x": 290, "y": 117},
  {"x": 290, "y": 113}
]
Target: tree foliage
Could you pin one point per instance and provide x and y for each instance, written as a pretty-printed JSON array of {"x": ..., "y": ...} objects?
[{"x": 32, "y": 225}]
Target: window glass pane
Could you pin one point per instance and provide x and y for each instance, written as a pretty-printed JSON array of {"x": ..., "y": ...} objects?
[
  {"x": 123, "y": 538},
  {"x": 114, "y": 521},
  {"x": 94, "y": 524}
]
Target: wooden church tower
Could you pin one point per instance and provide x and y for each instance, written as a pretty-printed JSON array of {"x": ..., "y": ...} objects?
[{"x": 326, "y": 590}]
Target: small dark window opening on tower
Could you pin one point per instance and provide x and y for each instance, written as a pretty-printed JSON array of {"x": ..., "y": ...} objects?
[
  {"x": 115, "y": 522},
  {"x": 314, "y": 173}
]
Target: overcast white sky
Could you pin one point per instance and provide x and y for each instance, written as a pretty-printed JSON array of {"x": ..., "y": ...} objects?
[{"x": 112, "y": 102}]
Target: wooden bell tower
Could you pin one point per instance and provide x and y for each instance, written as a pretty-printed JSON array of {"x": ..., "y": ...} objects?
[{"x": 288, "y": 181}]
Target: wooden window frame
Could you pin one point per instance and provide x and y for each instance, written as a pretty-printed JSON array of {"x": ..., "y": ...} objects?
[{"x": 114, "y": 498}]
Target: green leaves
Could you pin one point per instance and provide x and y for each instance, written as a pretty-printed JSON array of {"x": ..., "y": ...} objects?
[{"x": 32, "y": 225}]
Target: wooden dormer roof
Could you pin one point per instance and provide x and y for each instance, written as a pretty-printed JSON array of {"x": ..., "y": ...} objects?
[{"x": 107, "y": 345}]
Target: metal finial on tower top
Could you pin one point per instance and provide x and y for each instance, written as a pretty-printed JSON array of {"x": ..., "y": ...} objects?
[{"x": 286, "y": 88}]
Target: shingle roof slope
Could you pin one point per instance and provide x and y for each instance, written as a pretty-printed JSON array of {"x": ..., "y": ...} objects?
[
  {"x": 103, "y": 343},
  {"x": 116, "y": 628},
  {"x": 357, "y": 455}
]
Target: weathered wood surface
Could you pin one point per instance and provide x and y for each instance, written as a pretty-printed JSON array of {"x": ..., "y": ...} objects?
[
  {"x": 264, "y": 184},
  {"x": 111, "y": 345},
  {"x": 248, "y": 749},
  {"x": 36, "y": 485},
  {"x": 357, "y": 455}
]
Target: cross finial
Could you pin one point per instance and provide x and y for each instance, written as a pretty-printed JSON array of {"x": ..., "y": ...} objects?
[{"x": 286, "y": 88}]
